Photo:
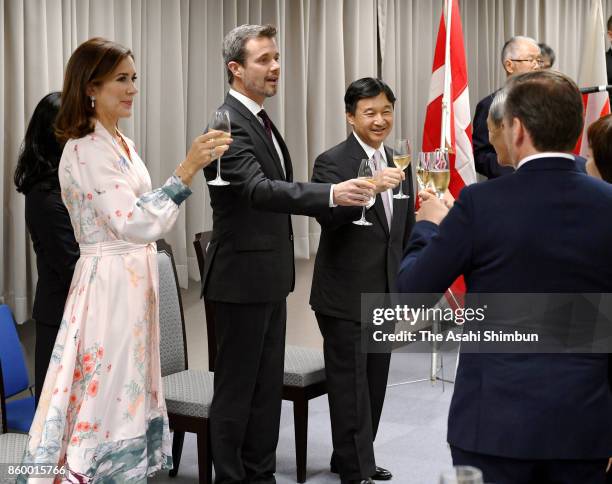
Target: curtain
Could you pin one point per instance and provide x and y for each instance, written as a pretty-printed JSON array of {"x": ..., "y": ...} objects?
[
  {"x": 324, "y": 45},
  {"x": 177, "y": 47}
]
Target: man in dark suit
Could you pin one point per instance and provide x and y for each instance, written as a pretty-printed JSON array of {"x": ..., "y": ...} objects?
[
  {"x": 249, "y": 267},
  {"x": 609, "y": 56},
  {"x": 519, "y": 54},
  {"x": 526, "y": 418},
  {"x": 352, "y": 260}
]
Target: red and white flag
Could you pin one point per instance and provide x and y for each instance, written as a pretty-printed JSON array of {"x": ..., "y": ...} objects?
[
  {"x": 593, "y": 71},
  {"x": 449, "y": 83},
  {"x": 451, "y": 128}
]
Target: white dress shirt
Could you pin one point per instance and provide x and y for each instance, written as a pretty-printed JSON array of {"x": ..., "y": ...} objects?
[{"x": 545, "y": 154}]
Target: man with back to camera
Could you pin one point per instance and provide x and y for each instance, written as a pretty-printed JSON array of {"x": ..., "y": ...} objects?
[
  {"x": 609, "y": 56},
  {"x": 249, "y": 269},
  {"x": 526, "y": 418},
  {"x": 352, "y": 260},
  {"x": 519, "y": 54}
]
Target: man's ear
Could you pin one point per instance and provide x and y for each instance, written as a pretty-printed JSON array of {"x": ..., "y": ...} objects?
[
  {"x": 350, "y": 119},
  {"x": 519, "y": 133},
  {"x": 508, "y": 66},
  {"x": 235, "y": 68}
]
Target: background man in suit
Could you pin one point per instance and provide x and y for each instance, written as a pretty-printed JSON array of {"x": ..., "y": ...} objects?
[
  {"x": 352, "y": 260},
  {"x": 547, "y": 56},
  {"x": 609, "y": 56},
  {"x": 526, "y": 418},
  {"x": 519, "y": 54},
  {"x": 249, "y": 267}
]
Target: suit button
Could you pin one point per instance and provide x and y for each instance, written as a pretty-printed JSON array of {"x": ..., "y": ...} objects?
[{"x": 291, "y": 237}]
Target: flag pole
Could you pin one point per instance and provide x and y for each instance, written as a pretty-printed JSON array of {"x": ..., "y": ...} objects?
[
  {"x": 447, "y": 79},
  {"x": 446, "y": 94}
]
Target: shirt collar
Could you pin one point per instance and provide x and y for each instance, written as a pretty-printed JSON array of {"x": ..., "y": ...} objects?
[
  {"x": 369, "y": 150},
  {"x": 548, "y": 154},
  {"x": 247, "y": 101}
]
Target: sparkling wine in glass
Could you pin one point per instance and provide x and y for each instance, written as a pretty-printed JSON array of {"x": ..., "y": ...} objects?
[
  {"x": 422, "y": 170},
  {"x": 439, "y": 174},
  {"x": 220, "y": 120},
  {"x": 402, "y": 155},
  {"x": 365, "y": 173},
  {"x": 462, "y": 475}
]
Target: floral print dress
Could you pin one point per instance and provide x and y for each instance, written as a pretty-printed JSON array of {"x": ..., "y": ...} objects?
[{"x": 102, "y": 413}]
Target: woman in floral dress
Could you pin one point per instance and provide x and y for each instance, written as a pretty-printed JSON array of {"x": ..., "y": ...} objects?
[{"x": 102, "y": 412}]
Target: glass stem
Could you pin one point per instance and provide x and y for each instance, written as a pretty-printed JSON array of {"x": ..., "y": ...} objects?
[{"x": 219, "y": 168}]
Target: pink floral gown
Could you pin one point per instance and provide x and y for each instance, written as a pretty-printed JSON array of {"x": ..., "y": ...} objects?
[{"x": 102, "y": 412}]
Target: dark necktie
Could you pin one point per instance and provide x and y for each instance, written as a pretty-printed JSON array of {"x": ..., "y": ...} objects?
[{"x": 267, "y": 123}]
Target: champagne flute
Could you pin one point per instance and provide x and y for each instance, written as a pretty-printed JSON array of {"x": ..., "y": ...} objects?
[
  {"x": 220, "y": 120},
  {"x": 365, "y": 173},
  {"x": 462, "y": 475},
  {"x": 422, "y": 171},
  {"x": 402, "y": 155},
  {"x": 439, "y": 173}
]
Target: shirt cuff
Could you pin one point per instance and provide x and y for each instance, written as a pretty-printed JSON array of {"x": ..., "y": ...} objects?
[
  {"x": 331, "y": 196},
  {"x": 176, "y": 190}
]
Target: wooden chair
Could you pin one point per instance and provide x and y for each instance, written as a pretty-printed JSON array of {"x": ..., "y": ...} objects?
[
  {"x": 188, "y": 392},
  {"x": 304, "y": 377}
]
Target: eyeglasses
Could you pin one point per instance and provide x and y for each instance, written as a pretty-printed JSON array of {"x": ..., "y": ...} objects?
[{"x": 533, "y": 60}]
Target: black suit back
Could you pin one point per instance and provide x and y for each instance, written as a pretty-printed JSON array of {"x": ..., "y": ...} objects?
[{"x": 56, "y": 250}]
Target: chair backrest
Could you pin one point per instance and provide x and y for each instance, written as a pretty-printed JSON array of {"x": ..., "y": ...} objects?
[
  {"x": 3, "y": 428},
  {"x": 15, "y": 374},
  {"x": 173, "y": 348},
  {"x": 200, "y": 245}
]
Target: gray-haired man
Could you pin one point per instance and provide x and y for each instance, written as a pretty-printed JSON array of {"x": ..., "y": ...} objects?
[{"x": 519, "y": 54}]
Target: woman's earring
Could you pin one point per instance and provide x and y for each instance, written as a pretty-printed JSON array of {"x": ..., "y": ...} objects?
[{"x": 93, "y": 102}]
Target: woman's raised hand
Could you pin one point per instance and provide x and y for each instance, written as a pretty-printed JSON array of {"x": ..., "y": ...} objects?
[{"x": 204, "y": 150}]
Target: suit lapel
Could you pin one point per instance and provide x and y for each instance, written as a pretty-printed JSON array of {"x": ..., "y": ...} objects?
[
  {"x": 259, "y": 129},
  {"x": 358, "y": 153}
]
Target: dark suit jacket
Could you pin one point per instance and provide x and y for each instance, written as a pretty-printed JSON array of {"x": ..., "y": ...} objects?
[
  {"x": 538, "y": 230},
  {"x": 250, "y": 257},
  {"x": 352, "y": 259},
  {"x": 485, "y": 157},
  {"x": 56, "y": 250},
  {"x": 609, "y": 69},
  {"x": 580, "y": 163}
]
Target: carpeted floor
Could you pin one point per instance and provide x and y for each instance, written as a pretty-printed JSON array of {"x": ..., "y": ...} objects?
[{"x": 411, "y": 440}]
